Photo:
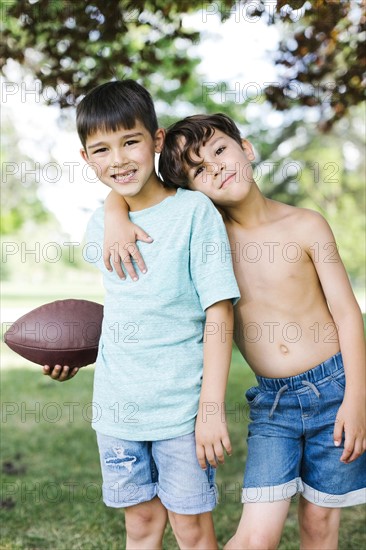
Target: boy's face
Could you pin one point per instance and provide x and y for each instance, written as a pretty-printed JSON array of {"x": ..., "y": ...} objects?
[
  {"x": 225, "y": 173},
  {"x": 124, "y": 159}
]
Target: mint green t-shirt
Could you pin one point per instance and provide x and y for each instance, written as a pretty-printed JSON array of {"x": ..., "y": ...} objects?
[{"x": 149, "y": 367}]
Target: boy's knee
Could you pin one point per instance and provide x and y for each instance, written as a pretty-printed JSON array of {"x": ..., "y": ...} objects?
[
  {"x": 140, "y": 522},
  {"x": 187, "y": 528},
  {"x": 261, "y": 541},
  {"x": 317, "y": 521}
]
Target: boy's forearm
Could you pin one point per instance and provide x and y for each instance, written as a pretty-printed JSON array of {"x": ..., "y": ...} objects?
[
  {"x": 217, "y": 348},
  {"x": 114, "y": 202},
  {"x": 352, "y": 344}
]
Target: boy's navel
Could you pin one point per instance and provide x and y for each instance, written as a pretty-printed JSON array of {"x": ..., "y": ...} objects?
[{"x": 284, "y": 349}]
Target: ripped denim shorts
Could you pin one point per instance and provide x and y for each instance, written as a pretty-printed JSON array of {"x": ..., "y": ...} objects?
[{"x": 137, "y": 471}]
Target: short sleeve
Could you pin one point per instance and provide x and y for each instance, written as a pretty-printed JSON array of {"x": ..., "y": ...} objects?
[
  {"x": 93, "y": 245},
  {"x": 210, "y": 256}
]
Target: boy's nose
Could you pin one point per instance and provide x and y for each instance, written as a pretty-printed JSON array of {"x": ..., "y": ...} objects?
[
  {"x": 119, "y": 156},
  {"x": 219, "y": 168}
]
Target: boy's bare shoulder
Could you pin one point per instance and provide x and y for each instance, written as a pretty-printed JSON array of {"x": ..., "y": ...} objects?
[
  {"x": 287, "y": 210},
  {"x": 306, "y": 227},
  {"x": 298, "y": 218}
]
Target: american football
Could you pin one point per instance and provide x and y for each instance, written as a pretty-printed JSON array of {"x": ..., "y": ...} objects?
[{"x": 64, "y": 332}]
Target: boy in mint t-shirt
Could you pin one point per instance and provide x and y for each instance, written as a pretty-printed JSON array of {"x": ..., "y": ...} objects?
[{"x": 165, "y": 347}]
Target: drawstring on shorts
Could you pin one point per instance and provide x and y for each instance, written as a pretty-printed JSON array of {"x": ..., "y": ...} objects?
[{"x": 285, "y": 388}]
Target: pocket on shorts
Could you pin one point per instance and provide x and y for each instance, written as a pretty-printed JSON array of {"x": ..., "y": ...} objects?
[
  {"x": 339, "y": 379},
  {"x": 254, "y": 395}
]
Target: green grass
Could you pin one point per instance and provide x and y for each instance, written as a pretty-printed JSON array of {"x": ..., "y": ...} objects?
[
  {"x": 51, "y": 476},
  {"x": 15, "y": 294}
]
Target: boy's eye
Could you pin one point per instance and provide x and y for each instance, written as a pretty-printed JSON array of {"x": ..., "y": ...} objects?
[
  {"x": 198, "y": 171},
  {"x": 220, "y": 150},
  {"x": 131, "y": 142},
  {"x": 101, "y": 150}
]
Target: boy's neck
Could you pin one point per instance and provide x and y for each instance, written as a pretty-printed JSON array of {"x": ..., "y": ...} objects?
[
  {"x": 151, "y": 195},
  {"x": 252, "y": 211}
]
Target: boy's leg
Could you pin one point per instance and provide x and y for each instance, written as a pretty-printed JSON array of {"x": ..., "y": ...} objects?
[
  {"x": 319, "y": 526},
  {"x": 260, "y": 526},
  {"x": 328, "y": 483},
  {"x": 145, "y": 525},
  {"x": 194, "y": 531},
  {"x": 130, "y": 482},
  {"x": 272, "y": 468},
  {"x": 188, "y": 492}
]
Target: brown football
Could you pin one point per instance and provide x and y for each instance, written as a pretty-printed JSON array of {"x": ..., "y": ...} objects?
[{"x": 64, "y": 332}]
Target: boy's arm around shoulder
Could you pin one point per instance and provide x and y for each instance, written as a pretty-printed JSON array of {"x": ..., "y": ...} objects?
[
  {"x": 211, "y": 430},
  {"x": 351, "y": 417},
  {"x": 120, "y": 236}
]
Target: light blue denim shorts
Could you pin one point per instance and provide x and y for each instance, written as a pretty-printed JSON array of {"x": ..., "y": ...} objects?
[
  {"x": 290, "y": 440},
  {"x": 137, "y": 471}
]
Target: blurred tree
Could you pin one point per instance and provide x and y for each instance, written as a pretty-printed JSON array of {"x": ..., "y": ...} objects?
[
  {"x": 19, "y": 200},
  {"x": 71, "y": 46},
  {"x": 322, "y": 56}
]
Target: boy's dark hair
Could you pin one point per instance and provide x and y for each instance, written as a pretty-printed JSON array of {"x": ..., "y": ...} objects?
[
  {"x": 195, "y": 130},
  {"x": 115, "y": 105}
]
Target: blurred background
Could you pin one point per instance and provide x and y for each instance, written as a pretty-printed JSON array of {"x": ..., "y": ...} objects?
[{"x": 291, "y": 73}]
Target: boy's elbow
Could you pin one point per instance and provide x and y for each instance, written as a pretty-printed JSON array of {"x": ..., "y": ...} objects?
[{"x": 224, "y": 308}]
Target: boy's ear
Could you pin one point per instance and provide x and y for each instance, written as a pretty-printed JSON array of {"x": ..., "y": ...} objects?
[
  {"x": 84, "y": 155},
  {"x": 248, "y": 148},
  {"x": 159, "y": 139}
]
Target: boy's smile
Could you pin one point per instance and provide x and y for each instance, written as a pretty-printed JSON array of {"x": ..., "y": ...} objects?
[{"x": 124, "y": 161}]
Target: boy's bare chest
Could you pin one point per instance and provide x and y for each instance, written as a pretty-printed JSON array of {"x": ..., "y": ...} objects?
[{"x": 268, "y": 261}]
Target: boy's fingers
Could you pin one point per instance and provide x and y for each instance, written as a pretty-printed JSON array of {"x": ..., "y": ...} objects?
[
  {"x": 64, "y": 373},
  {"x": 140, "y": 261},
  {"x": 357, "y": 451},
  {"x": 131, "y": 252},
  {"x": 74, "y": 371},
  {"x": 219, "y": 453},
  {"x": 118, "y": 268},
  {"x": 141, "y": 235},
  {"x": 128, "y": 265},
  {"x": 210, "y": 456},
  {"x": 227, "y": 445},
  {"x": 347, "y": 452},
  {"x": 201, "y": 457},
  {"x": 107, "y": 259},
  {"x": 116, "y": 262},
  {"x": 338, "y": 433},
  {"x": 55, "y": 372}
]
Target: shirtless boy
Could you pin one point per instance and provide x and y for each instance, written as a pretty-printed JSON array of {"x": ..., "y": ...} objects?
[{"x": 299, "y": 327}]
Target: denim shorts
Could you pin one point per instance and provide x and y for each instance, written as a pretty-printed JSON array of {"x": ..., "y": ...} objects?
[
  {"x": 290, "y": 440},
  {"x": 137, "y": 471}
]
